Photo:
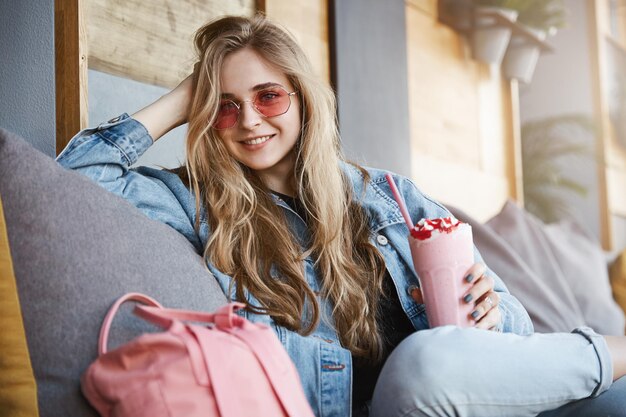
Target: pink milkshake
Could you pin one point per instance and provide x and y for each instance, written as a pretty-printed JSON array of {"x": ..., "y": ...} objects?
[{"x": 443, "y": 252}]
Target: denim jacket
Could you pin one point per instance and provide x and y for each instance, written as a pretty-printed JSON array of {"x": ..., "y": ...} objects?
[{"x": 106, "y": 153}]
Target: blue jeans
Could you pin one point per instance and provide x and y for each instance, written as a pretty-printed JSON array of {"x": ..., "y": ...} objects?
[
  {"x": 450, "y": 371},
  {"x": 611, "y": 403}
]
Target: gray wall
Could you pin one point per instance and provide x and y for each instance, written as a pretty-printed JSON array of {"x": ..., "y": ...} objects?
[
  {"x": 27, "y": 90},
  {"x": 562, "y": 85},
  {"x": 27, "y": 104},
  {"x": 370, "y": 75}
]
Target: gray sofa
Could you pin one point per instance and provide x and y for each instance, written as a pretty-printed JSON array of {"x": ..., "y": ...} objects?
[{"x": 75, "y": 248}]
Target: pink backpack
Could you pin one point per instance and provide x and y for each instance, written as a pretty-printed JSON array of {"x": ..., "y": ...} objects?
[{"x": 231, "y": 368}]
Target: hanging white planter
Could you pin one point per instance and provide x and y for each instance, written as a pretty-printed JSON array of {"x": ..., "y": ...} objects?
[
  {"x": 521, "y": 57},
  {"x": 490, "y": 37}
]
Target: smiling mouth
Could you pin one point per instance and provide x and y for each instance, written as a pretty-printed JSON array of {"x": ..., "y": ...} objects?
[{"x": 259, "y": 140}]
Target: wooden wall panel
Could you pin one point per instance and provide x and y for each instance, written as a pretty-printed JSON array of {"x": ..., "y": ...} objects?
[
  {"x": 426, "y": 6},
  {"x": 462, "y": 135},
  {"x": 443, "y": 98},
  {"x": 479, "y": 194},
  {"x": 308, "y": 21},
  {"x": 151, "y": 41}
]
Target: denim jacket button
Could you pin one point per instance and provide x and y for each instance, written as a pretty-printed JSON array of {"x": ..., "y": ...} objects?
[{"x": 382, "y": 240}]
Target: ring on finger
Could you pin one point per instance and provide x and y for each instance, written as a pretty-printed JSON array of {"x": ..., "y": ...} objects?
[{"x": 489, "y": 301}]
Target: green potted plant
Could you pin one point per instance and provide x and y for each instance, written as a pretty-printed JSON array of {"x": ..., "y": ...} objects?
[
  {"x": 545, "y": 143},
  {"x": 490, "y": 38},
  {"x": 541, "y": 18},
  {"x": 545, "y": 15}
]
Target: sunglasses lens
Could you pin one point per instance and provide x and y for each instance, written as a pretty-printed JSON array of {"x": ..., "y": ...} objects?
[
  {"x": 226, "y": 115},
  {"x": 272, "y": 102},
  {"x": 269, "y": 103}
]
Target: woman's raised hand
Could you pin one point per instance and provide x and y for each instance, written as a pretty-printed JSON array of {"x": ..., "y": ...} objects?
[
  {"x": 486, "y": 313},
  {"x": 184, "y": 92},
  {"x": 169, "y": 111}
]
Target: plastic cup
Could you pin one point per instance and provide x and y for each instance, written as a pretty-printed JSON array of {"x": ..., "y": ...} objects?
[{"x": 441, "y": 263}]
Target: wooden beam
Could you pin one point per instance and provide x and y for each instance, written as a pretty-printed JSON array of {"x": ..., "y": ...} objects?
[
  {"x": 515, "y": 172},
  {"x": 621, "y": 21},
  {"x": 596, "y": 12},
  {"x": 70, "y": 45}
]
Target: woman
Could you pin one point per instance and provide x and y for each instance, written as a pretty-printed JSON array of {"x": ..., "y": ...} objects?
[{"x": 317, "y": 248}]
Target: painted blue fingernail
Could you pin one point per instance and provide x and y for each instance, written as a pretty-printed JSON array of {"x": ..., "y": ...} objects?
[
  {"x": 468, "y": 298},
  {"x": 474, "y": 314},
  {"x": 469, "y": 278}
]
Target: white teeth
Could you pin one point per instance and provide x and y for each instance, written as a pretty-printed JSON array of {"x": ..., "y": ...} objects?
[{"x": 257, "y": 140}]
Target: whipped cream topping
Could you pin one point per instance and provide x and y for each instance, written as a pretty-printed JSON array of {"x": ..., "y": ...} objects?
[{"x": 427, "y": 228}]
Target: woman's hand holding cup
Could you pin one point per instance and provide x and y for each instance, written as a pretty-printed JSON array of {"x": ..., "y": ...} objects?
[
  {"x": 486, "y": 313},
  {"x": 481, "y": 294}
]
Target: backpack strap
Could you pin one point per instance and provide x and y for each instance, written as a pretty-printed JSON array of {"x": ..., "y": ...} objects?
[
  {"x": 224, "y": 317},
  {"x": 276, "y": 363},
  {"x": 108, "y": 319}
]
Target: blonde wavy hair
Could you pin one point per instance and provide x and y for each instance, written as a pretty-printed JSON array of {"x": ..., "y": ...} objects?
[{"x": 250, "y": 238}]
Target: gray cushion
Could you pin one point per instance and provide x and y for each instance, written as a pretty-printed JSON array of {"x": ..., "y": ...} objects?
[
  {"x": 548, "y": 310},
  {"x": 584, "y": 266},
  {"x": 567, "y": 262},
  {"x": 75, "y": 249}
]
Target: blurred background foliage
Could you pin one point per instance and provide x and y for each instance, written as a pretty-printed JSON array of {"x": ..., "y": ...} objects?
[
  {"x": 546, "y": 145},
  {"x": 546, "y": 15}
]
